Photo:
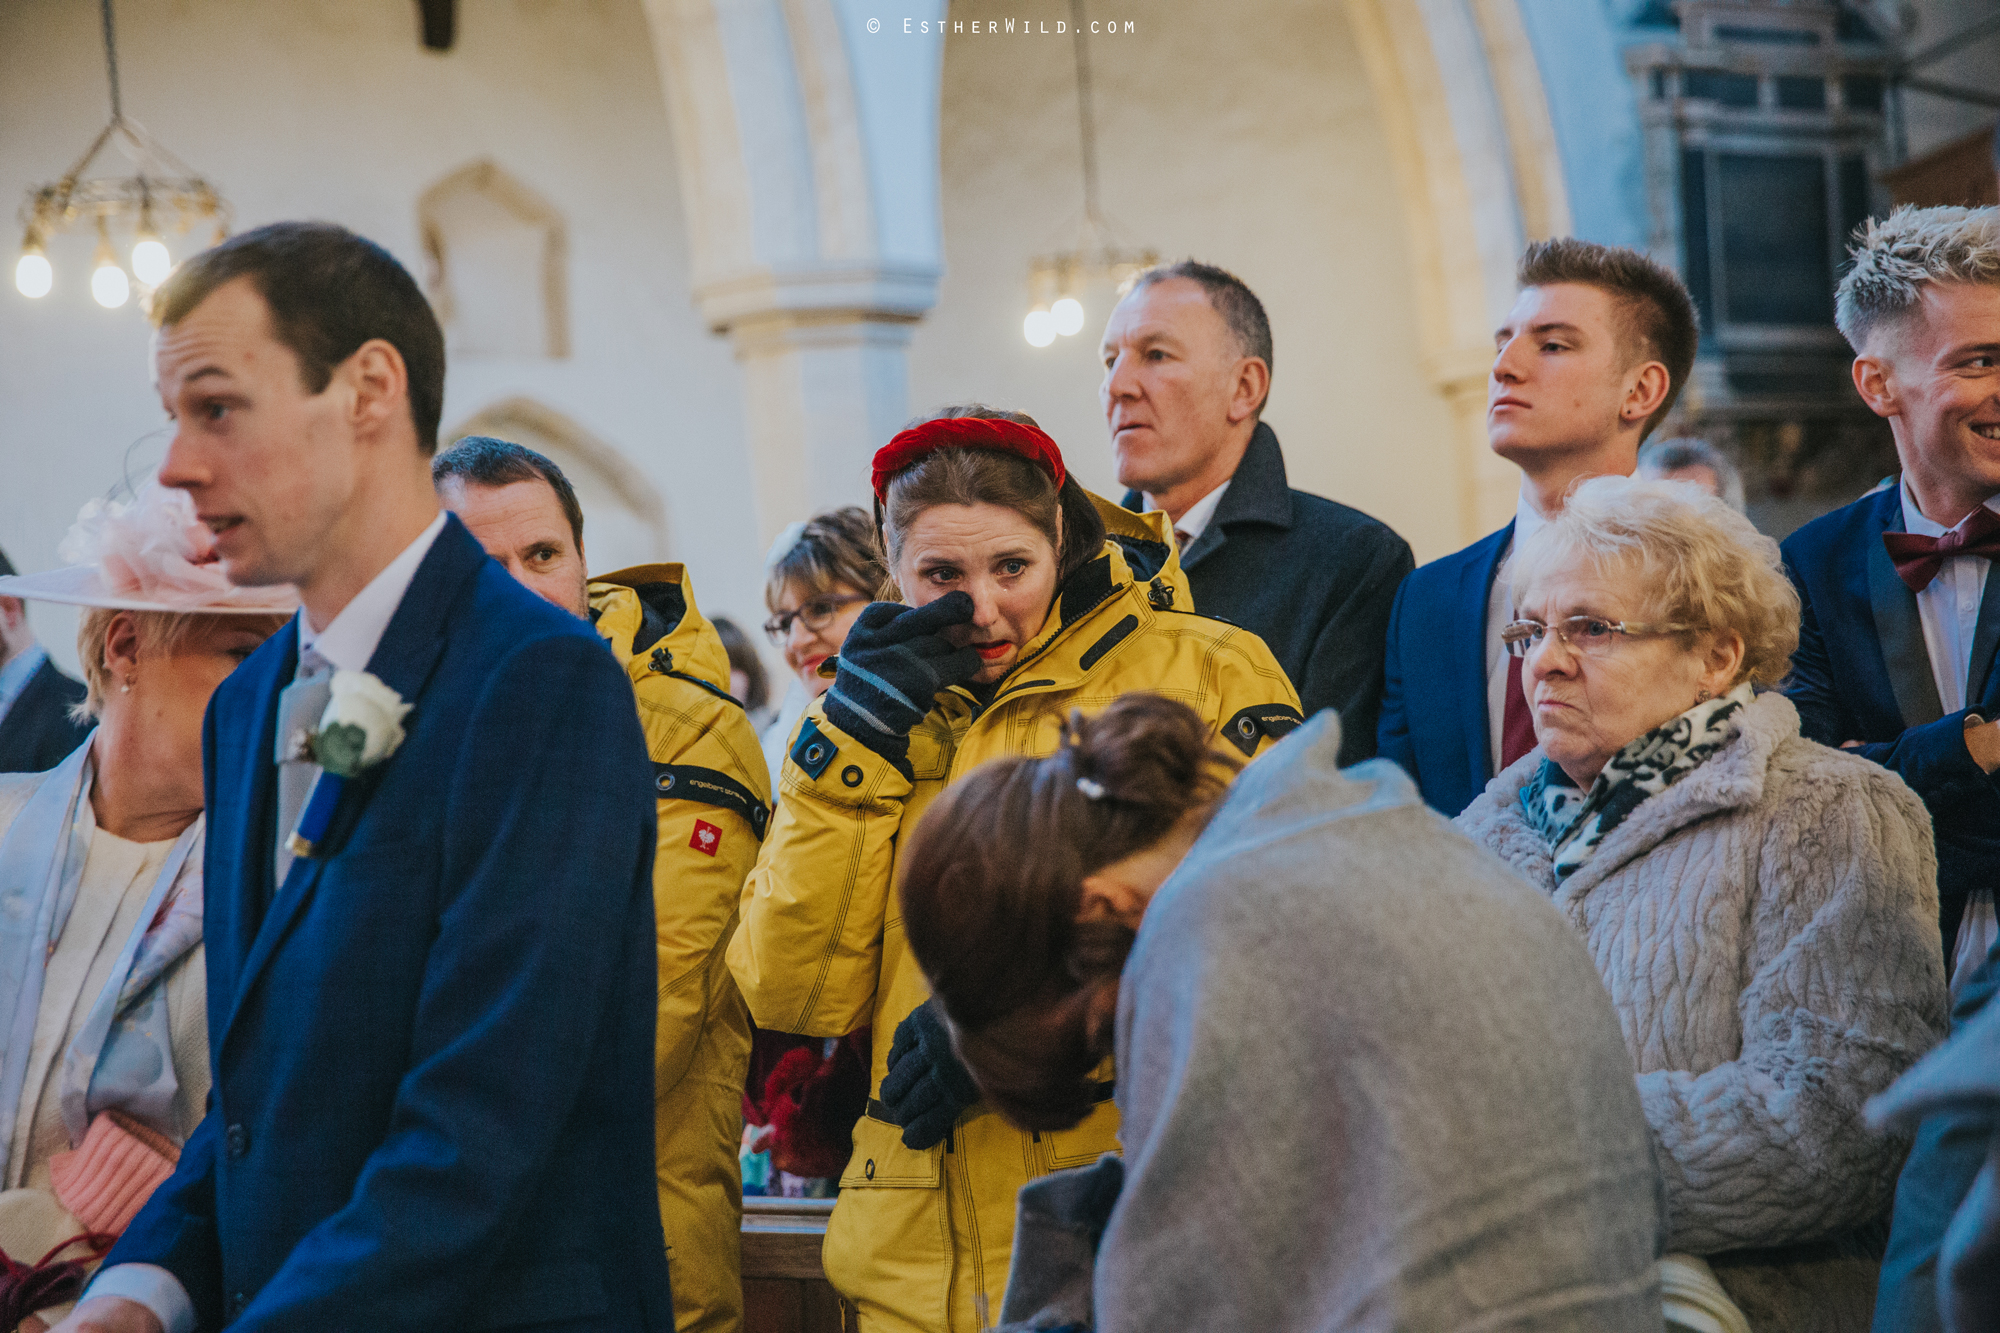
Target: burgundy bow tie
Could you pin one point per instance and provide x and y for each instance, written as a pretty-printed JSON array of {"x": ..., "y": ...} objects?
[{"x": 1918, "y": 559}]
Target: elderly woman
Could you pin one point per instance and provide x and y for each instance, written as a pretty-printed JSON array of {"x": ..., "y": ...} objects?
[
  {"x": 103, "y": 1008},
  {"x": 1023, "y": 597},
  {"x": 1762, "y": 909}
]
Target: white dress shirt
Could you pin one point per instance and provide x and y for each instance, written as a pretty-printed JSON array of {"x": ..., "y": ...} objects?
[
  {"x": 1949, "y": 610},
  {"x": 348, "y": 642},
  {"x": 1528, "y": 521},
  {"x": 1199, "y": 515}
]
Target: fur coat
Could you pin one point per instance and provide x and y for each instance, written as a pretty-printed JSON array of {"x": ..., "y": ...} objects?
[{"x": 1767, "y": 928}]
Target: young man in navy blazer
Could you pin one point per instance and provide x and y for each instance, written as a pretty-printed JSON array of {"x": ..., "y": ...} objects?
[
  {"x": 431, "y": 1031},
  {"x": 1899, "y": 645},
  {"x": 1588, "y": 361}
]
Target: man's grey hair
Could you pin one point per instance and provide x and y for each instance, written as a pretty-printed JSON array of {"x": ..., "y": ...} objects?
[
  {"x": 1664, "y": 456},
  {"x": 1896, "y": 257}
]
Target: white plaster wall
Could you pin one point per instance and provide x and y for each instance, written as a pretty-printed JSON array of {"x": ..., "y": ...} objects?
[
  {"x": 1243, "y": 135},
  {"x": 332, "y": 109}
]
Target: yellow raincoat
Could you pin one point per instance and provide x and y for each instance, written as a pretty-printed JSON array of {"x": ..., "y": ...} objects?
[
  {"x": 921, "y": 1240},
  {"x": 715, "y": 796}
]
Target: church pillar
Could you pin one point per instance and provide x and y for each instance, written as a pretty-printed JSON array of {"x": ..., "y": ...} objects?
[{"x": 807, "y": 148}]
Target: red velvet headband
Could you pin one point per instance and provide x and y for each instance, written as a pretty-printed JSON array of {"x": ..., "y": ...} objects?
[{"x": 1006, "y": 437}]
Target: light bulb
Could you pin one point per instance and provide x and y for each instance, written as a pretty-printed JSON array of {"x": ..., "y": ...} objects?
[
  {"x": 150, "y": 261},
  {"x": 1039, "y": 328},
  {"x": 1068, "y": 315},
  {"x": 32, "y": 275},
  {"x": 109, "y": 286}
]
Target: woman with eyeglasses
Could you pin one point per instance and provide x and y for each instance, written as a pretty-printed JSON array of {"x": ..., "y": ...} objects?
[
  {"x": 1762, "y": 909},
  {"x": 819, "y": 575}
]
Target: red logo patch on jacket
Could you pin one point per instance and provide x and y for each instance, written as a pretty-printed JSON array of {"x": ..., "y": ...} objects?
[{"x": 707, "y": 837}]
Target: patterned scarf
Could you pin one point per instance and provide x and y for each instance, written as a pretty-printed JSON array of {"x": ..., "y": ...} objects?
[{"x": 1574, "y": 822}]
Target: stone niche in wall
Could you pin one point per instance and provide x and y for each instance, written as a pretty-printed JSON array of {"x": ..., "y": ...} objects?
[
  {"x": 496, "y": 260},
  {"x": 624, "y": 516}
]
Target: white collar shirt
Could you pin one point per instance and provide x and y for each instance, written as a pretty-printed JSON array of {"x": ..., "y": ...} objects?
[
  {"x": 1949, "y": 607},
  {"x": 1199, "y": 515},
  {"x": 1528, "y": 521},
  {"x": 350, "y": 640}
]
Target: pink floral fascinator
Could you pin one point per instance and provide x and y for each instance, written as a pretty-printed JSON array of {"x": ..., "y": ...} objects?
[{"x": 149, "y": 553}]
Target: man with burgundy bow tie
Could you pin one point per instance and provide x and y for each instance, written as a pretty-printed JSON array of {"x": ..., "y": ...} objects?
[
  {"x": 1899, "y": 635},
  {"x": 1901, "y": 620}
]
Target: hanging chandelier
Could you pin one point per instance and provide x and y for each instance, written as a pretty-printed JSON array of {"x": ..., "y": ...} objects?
[
  {"x": 1056, "y": 280},
  {"x": 161, "y": 195}
]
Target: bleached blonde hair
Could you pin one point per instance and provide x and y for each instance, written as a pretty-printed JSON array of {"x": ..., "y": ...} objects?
[
  {"x": 1898, "y": 256},
  {"x": 1698, "y": 562}
]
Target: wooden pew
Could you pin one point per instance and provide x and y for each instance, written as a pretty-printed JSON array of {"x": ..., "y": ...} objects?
[{"x": 784, "y": 1287}]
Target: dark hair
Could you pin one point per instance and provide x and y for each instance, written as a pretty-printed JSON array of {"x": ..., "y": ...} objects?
[
  {"x": 833, "y": 546},
  {"x": 1031, "y": 992},
  {"x": 1232, "y": 299},
  {"x": 985, "y": 476},
  {"x": 1659, "y": 313},
  {"x": 485, "y": 461},
  {"x": 743, "y": 657},
  {"x": 329, "y": 291},
  {"x": 6, "y": 565}
]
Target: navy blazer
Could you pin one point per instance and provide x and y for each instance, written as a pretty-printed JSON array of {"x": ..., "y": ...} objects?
[
  {"x": 433, "y": 1052},
  {"x": 38, "y": 732},
  {"x": 1862, "y": 673},
  {"x": 1434, "y": 719}
]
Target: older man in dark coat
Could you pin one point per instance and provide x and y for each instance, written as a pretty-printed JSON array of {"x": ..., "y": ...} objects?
[{"x": 1187, "y": 359}]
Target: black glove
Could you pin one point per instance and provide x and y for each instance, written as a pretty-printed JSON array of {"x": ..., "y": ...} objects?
[
  {"x": 926, "y": 1087},
  {"x": 893, "y": 665}
]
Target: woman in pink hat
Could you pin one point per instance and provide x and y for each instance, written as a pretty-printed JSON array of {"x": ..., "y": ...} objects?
[{"x": 103, "y": 1013}]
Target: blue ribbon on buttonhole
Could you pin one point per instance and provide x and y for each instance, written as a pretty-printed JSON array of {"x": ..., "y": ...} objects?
[{"x": 317, "y": 815}]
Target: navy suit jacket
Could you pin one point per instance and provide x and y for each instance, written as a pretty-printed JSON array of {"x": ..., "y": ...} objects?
[
  {"x": 1862, "y": 673},
  {"x": 433, "y": 1051},
  {"x": 1434, "y": 719},
  {"x": 37, "y": 732}
]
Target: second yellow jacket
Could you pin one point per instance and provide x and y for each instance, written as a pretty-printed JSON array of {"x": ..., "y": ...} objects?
[
  {"x": 714, "y": 794},
  {"x": 920, "y": 1241}
]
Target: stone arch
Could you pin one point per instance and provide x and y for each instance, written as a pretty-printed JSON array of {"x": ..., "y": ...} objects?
[
  {"x": 624, "y": 515},
  {"x": 1479, "y": 174},
  {"x": 496, "y": 258}
]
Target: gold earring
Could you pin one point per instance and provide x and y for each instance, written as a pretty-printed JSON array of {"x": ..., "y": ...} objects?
[{"x": 1702, "y": 696}]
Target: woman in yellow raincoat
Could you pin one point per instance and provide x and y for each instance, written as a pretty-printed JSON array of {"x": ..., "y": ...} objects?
[{"x": 1026, "y": 597}]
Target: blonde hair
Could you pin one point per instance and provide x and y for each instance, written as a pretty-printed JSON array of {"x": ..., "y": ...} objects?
[
  {"x": 160, "y": 634},
  {"x": 1701, "y": 563},
  {"x": 1896, "y": 257}
]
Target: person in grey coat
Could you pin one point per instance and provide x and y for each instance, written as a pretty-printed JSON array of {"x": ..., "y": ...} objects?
[
  {"x": 1369, "y": 1079},
  {"x": 1763, "y": 909}
]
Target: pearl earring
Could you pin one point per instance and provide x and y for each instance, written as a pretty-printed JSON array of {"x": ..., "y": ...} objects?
[{"x": 126, "y": 686}]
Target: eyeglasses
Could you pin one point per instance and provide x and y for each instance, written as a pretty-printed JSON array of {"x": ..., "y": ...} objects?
[
  {"x": 818, "y": 612},
  {"x": 1587, "y": 636}
]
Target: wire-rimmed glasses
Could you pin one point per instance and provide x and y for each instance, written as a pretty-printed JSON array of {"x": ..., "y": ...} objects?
[{"x": 1587, "y": 636}]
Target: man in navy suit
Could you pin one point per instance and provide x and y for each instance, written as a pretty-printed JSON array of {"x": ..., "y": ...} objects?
[
  {"x": 431, "y": 1031},
  {"x": 1589, "y": 360},
  {"x": 36, "y": 729},
  {"x": 1900, "y": 633}
]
